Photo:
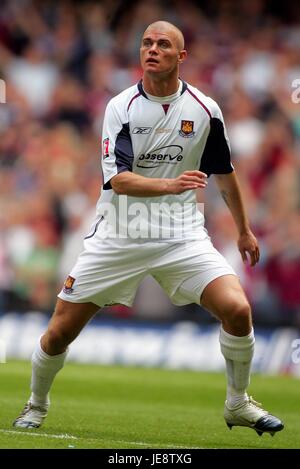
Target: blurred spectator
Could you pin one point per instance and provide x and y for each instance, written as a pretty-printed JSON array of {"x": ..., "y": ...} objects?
[{"x": 34, "y": 78}]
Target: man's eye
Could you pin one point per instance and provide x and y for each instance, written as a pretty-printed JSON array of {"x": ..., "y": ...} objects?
[
  {"x": 164, "y": 45},
  {"x": 147, "y": 44}
]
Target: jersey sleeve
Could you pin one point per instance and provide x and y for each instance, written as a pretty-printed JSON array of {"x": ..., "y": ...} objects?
[
  {"x": 216, "y": 157},
  {"x": 117, "y": 152}
]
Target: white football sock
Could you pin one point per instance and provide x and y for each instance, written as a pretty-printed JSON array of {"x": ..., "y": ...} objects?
[
  {"x": 44, "y": 369},
  {"x": 238, "y": 353}
]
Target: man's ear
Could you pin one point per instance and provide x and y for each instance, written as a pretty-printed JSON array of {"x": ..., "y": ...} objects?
[{"x": 182, "y": 56}]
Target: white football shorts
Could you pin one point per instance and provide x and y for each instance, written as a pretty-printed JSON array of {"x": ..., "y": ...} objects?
[{"x": 109, "y": 271}]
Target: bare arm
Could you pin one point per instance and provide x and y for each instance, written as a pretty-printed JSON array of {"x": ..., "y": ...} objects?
[
  {"x": 231, "y": 193},
  {"x": 139, "y": 186}
]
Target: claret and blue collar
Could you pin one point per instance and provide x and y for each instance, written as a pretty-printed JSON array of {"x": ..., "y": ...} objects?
[{"x": 181, "y": 90}]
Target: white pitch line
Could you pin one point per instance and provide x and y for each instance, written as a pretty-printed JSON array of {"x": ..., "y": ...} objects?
[
  {"x": 157, "y": 445},
  {"x": 71, "y": 437},
  {"x": 61, "y": 437}
]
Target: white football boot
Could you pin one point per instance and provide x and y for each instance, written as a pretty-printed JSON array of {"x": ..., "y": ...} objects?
[
  {"x": 251, "y": 414},
  {"x": 31, "y": 416}
]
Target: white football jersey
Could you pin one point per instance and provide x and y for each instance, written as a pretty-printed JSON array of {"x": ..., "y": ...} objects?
[{"x": 160, "y": 138}]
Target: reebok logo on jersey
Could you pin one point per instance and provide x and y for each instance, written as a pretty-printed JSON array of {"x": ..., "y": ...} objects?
[
  {"x": 142, "y": 130},
  {"x": 187, "y": 129},
  {"x": 171, "y": 154}
]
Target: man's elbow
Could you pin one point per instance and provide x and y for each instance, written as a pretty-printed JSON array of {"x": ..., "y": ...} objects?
[{"x": 118, "y": 184}]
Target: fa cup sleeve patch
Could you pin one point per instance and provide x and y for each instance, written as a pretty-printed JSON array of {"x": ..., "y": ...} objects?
[{"x": 105, "y": 149}]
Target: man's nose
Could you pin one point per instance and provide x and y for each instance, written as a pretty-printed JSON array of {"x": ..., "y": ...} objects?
[{"x": 153, "y": 48}]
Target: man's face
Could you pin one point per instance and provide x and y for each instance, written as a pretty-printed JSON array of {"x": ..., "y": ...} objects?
[{"x": 159, "y": 52}]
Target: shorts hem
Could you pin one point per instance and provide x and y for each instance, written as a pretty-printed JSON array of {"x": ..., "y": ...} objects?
[
  {"x": 208, "y": 281},
  {"x": 94, "y": 301},
  {"x": 199, "y": 290}
]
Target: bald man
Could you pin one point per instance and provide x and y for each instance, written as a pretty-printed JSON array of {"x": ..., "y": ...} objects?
[{"x": 162, "y": 138}]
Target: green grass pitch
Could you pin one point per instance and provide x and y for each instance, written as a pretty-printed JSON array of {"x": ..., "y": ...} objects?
[{"x": 118, "y": 407}]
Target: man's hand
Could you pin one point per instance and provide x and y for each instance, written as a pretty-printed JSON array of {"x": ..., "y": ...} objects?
[
  {"x": 247, "y": 243},
  {"x": 187, "y": 181}
]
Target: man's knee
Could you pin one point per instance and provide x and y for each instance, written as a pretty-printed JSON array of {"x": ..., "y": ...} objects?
[
  {"x": 237, "y": 319},
  {"x": 58, "y": 334},
  {"x": 241, "y": 309},
  {"x": 65, "y": 325},
  {"x": 56, "y": 340}
]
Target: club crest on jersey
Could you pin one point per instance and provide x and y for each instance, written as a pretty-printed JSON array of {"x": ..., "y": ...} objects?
[
  {"x": 187, "y": 129},
  {"x": 105, "y": 149},
  {"x": 68, "y": 285}
]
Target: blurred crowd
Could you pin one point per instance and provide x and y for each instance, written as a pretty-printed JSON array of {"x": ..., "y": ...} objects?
[{"x": 63, "y": 60}]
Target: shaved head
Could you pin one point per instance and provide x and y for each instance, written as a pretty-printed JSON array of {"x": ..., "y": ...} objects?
[{"x": 167, "y": 28}]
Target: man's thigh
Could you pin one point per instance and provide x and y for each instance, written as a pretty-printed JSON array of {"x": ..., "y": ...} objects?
[
  {"x": 71, "y": 317},
  {"x": 185, "y": 270},
  {"x": 223, "y": 294}
]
